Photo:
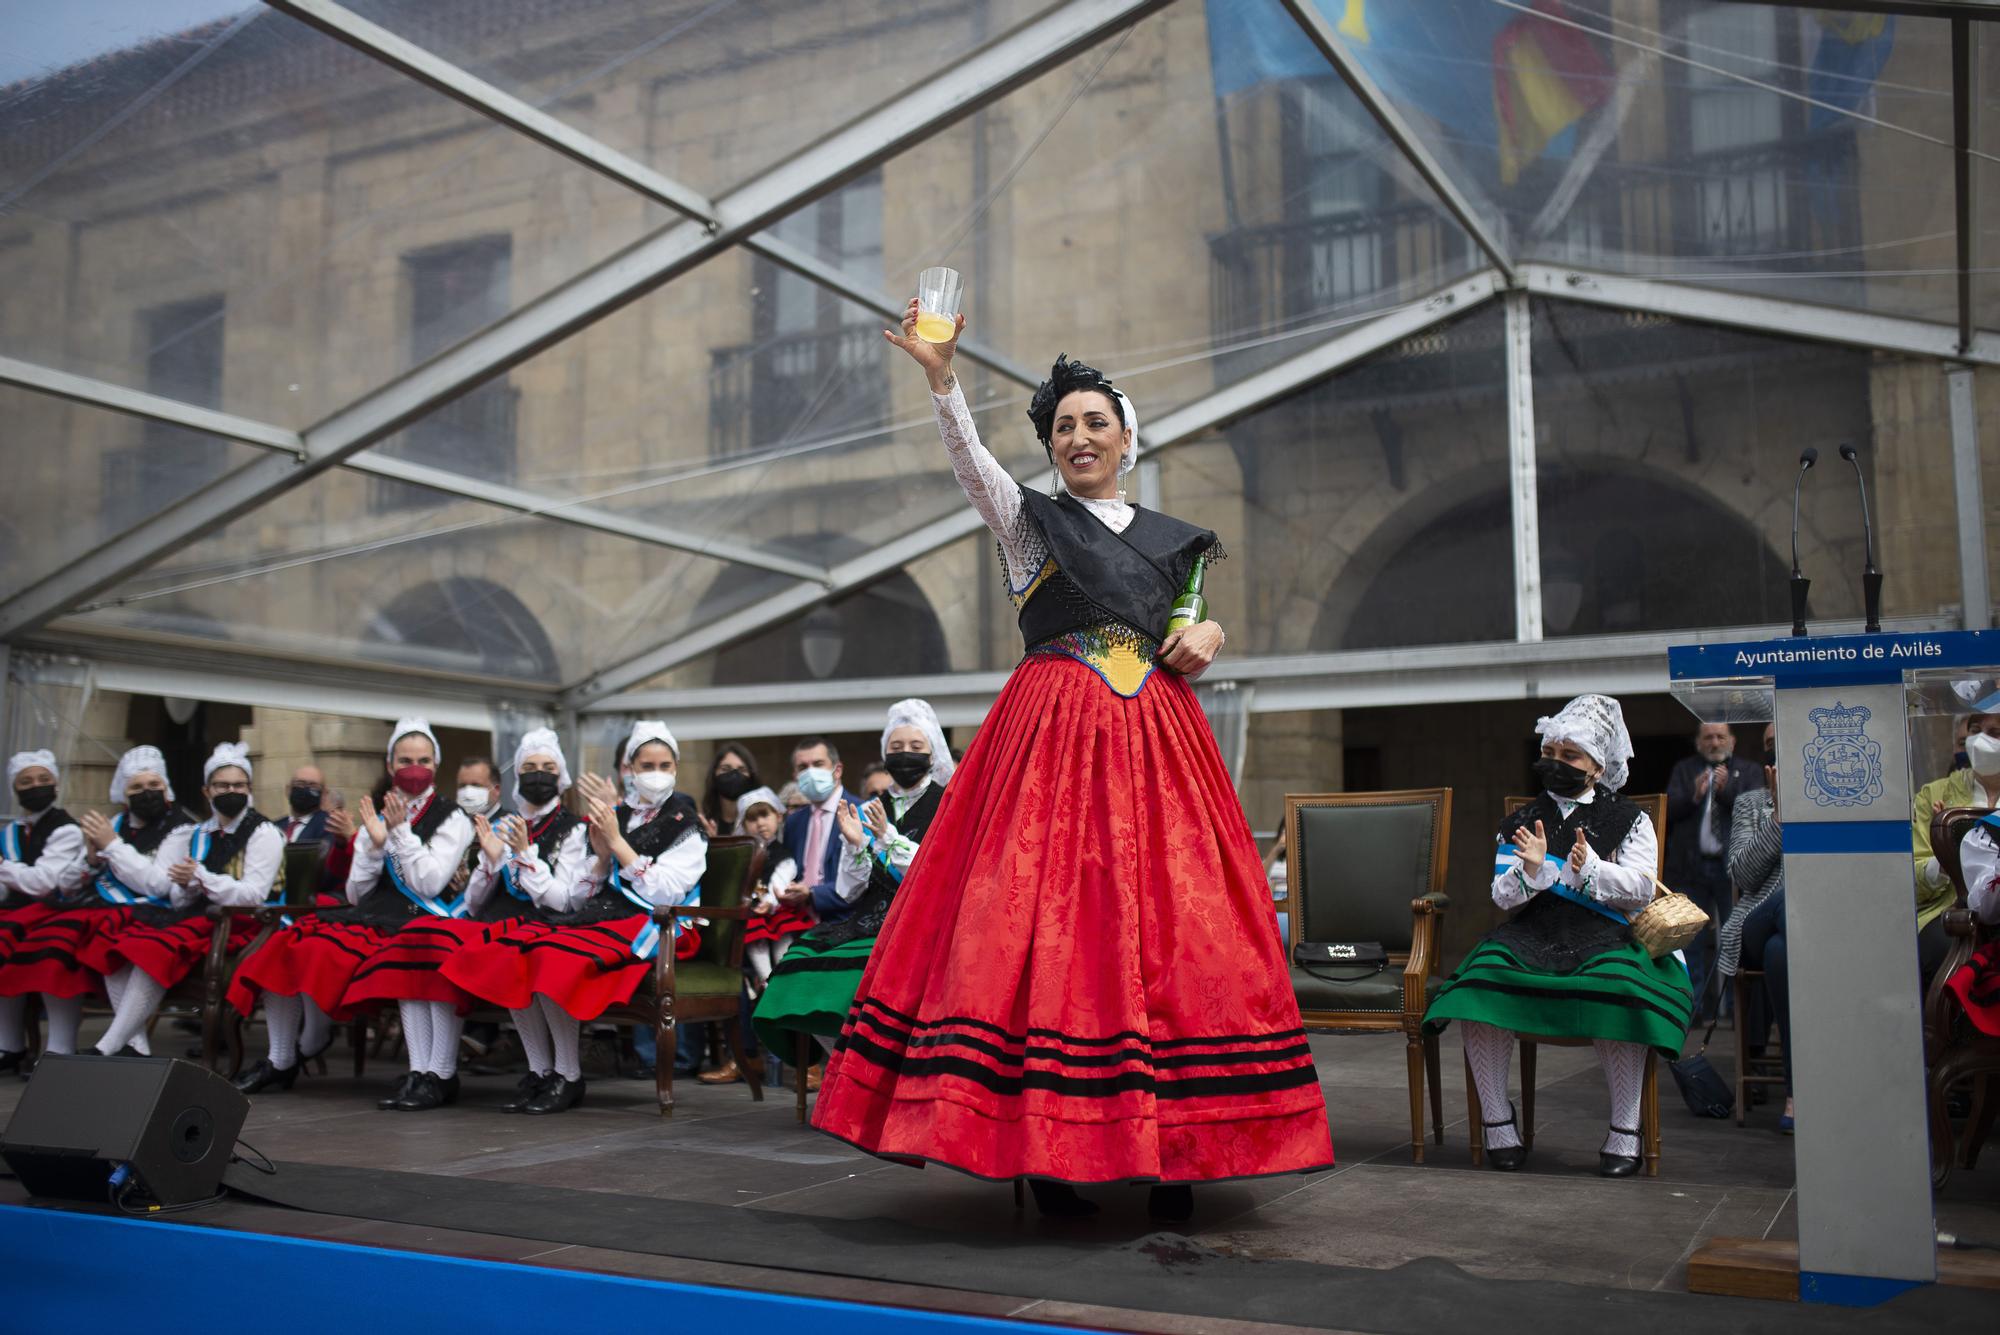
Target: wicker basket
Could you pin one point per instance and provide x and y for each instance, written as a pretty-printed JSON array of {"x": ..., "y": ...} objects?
[{"x": 1668, "y": 923}]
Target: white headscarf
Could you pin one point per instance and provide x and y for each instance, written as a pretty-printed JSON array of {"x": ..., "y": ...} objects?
[
  {"x": 139, "y": 760},
  {"x": 225, "y": 754},
  {"x": 650, "y": 730},
  {"x": 1597, "y": 724},
  {"x": 915, "y": 713},
  {"x": 1130, "y": 459},
  {"x": 416, "y": 727},
  {"x": 541, "y": 742},
  {"x": 21, "y": 760},
  {"x": 757, "y": 797}
]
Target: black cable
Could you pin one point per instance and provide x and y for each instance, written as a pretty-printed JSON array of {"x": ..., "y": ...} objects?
[
  {"x": 265, "y": 1167},
  {"x": 117, "y": 1196}
]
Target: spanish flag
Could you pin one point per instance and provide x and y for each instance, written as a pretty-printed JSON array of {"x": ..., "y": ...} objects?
[{"x": 1546, "y": 77}]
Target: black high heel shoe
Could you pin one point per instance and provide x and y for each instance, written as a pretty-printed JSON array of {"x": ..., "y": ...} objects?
[
  {"x": 1507, "y": 1158},
  {"x": 1618, "y": 1165},
  {"x": 1058, "y": 1200}
]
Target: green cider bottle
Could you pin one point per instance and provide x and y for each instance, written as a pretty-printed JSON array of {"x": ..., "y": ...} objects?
[{"x": 1190, "y": 607}]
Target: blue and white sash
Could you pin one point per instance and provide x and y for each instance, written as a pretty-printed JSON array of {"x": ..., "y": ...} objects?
[
  {"x": 1507, "y": 858},
  {"x": 114, "y": 891},
  {"x": 10, "y": 843},
  {"x": 646, "y": 942},
  {"x": 440, "y": 907}
]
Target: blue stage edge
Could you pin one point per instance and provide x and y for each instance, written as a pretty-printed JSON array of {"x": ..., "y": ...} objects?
[{"x": 84, "y": 1272}]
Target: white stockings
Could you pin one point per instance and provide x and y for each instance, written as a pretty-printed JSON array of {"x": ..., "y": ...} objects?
[{"x": 1489, "y": 1050}]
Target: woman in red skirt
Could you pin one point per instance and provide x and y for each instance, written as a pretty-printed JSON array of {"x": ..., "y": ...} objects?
[
  {"x": 1080, "y": 979},
  {"x": 404, "y": 859},
  {"x": 593, "y": 939},
  {"x": 135, "y": 839},
  {"x": 42, "y": 865},
  {"x": 232, "y": 859},
  {"x": 522, "y": 860},
  {"x": 1977, "y": 981}
]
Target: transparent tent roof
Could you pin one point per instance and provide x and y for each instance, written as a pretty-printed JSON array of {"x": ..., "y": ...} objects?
[{"x": 536, "y": 346}]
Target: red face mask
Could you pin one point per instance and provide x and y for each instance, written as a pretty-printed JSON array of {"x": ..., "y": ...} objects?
[{"x": 413, "y": 779}]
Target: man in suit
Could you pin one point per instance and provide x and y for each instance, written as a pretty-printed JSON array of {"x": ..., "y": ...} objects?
[
  {"x": 813, "y": 830},
  {"x": 305, "y": 823},
  {"x": 1701, "y": 803}
]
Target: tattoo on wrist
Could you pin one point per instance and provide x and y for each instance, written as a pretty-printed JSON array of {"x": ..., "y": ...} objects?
[{"x": 950, "y": 383}]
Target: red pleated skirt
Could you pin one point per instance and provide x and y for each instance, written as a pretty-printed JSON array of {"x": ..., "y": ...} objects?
[
  {"x": 51, "y": 951},
  {"x": 166, "y": 954},
  {"x": 315, "y": 957},
  {"x": 410, "y": 965},
  {"x": 1977, "y": 984},
  {"x": 777, "y": 926},
  {"x": 586, "y": 969},
  {"x": 14, "y": 924},
  {"x": 1081, "y": 976}
]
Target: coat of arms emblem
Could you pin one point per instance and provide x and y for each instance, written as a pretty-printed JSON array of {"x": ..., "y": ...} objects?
[{"x": 1843, "y": 765}]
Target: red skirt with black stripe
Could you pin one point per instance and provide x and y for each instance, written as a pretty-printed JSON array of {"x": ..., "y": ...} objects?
[
  {"x": 410, "y": 965},
  {"x": 317, "y": 956},
  {"x": 1977, "y": 984},
  {"x": 1081, "y": 977},
  {"x": 585, "y": 968},
  {"x": 51, "y": 951},
  {"x": 777, "y": 926},
  {"x": 15, "y": 922},
  {"x": 166, "y": 953}
]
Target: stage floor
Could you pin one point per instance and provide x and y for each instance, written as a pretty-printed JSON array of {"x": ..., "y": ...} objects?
[{"x": 737, "y": 1194}]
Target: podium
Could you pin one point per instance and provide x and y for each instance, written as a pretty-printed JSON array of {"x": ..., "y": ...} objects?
[{"x": 1844, "y": 706}]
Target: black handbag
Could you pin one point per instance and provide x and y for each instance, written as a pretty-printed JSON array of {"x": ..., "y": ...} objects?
[
  {"x": 1361, "y": 959},
  {"x": 1702, "y": 1087}
]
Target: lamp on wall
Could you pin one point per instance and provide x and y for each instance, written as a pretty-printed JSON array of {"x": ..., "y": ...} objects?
[{"x": 821, "y": 640}]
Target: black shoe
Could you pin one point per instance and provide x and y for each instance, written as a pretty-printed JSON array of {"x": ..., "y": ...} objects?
[
  {"x": 11, "y": 1061},
  {"x": 1171, "y": 1204},
  {"x": 404, "y": 1088},
  {"x": 1618, "y": 1165},
  {"x": 1507, "y": 1158},
  {"x": 1058, "y": 1200},
  {"x": 427, "y": 1091},
  {"x": 265, "y": 1076},
  {"x": 559, "y": 1094},
  {"x": 527, "y": 1091}
]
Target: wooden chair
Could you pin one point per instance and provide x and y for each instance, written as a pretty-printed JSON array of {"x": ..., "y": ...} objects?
[
  {"x": 1954, "y": 1049},
  {"x": 1753, "y": 1069},
  {"x": 1655, "y": 807},
  {"x": 1383, "y": 881}
]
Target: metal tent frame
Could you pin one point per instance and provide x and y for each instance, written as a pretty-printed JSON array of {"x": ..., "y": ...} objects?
[{"x": 743, "y": 218}]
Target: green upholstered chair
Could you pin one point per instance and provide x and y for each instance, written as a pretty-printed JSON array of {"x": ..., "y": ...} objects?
[
  {"x": 709, "y": 986},
  {"x": 1370, "y": 867},
  {"x": 1655, "y": 807}
]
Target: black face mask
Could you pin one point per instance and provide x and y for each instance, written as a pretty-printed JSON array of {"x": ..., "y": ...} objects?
[
  {"x": 303, "y": 798},
  {"x": 37, "y": 799},
  {"x": 907, "y": 768},
  {"x": 1561, "y": 779},
  {"x": 537, "y": 787},
  {"x": 229, "y": 805},
  {"x": 731, "y": 784},
  {"x": 148, "y": 805}
]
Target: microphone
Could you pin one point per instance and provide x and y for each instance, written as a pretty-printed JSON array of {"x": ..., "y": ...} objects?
[
  {"x": 1807, "y": 458},
  {"x": 1871, "y": 578}
]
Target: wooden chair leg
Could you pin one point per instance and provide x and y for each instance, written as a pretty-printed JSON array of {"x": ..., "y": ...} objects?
[
  {"x": 357, "y": 1038},
  {"x": 1473, "y": 1117},
  {"x": 753, "y": 1074},
  {"x": 1432, "y": 1065},
  {"x": 805, "y": 1056},
  {"x": 666, "y": 1036},
  {"x": 1979, "y": 1122},
  {"x": 1649, "y": 1109},
  {"x": 1528, "y": 1054},
  {"x": 1742, "y": 1043},
  {"x": 1414, "y": 1052},
  {"x": 211, "y": 1035}
]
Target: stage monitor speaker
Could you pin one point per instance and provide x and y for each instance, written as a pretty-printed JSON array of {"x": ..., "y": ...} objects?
[{"x": 173, "y": 1122}]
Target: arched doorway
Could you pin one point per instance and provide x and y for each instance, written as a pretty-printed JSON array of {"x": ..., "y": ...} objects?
[{"x": 465, "y": 624}]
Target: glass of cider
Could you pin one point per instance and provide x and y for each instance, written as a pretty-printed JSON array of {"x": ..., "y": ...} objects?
[{"x": 939, "y": 292}]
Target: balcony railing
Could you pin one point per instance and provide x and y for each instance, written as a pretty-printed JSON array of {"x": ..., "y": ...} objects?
[{"x": 766, "y": 392}]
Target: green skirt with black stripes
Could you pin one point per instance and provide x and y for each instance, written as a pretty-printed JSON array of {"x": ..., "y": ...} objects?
[
  {"x": 810, "y": 991},
  {"x": 1621, "y": 993}
]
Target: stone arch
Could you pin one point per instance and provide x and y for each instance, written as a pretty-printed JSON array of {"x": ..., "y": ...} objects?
[{"x": 446, "y": 621}]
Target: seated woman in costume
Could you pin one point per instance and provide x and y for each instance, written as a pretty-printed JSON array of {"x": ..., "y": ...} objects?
[
  {"x": 231, "y": 860},
  {"x": 1753, "y": 935},
  {"x": 813, "y": 988},
  {"x": 404, "y": 859},
  {"x": 1977, "y": 981},
  {"x": 592, "y": 938},
  {"x": 1575, "y": 864},
  {"x": 42, "y": 865}
]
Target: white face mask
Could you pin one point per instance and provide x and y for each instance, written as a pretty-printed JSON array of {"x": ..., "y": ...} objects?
[
  {"x": 475, "y": 800},
  {"x": 653, "y": 785},
  {"x": 1984, "y": 753}
]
